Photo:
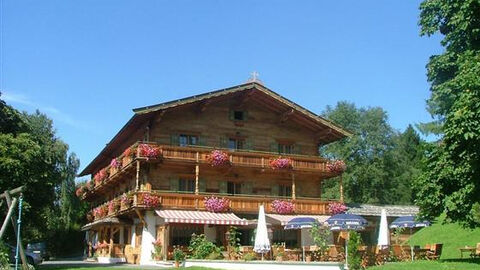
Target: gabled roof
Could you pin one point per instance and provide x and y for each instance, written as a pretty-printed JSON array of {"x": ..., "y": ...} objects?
[{"x": 327, "y": 130}]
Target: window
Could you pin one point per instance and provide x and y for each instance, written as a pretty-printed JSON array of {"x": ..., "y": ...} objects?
[
  {"x": 285, "y": 148},
  {"x": 186, "y": 185},
  {"x": 184, "y": 140},
  {"x": 285, "y": 191},
  {"x": 234, "y": 188},
  {"x": 238, "y": 115},
  {"x": 236, "y": 144}
]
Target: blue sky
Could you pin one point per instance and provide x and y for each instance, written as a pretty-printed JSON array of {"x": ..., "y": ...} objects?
[{"x": 86, "y": 64}]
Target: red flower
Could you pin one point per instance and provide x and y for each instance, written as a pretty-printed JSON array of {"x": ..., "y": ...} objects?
[
  {"x": 218, "y": 158},
  {"x": 216, "y": 205},
  {"x": 115, "y": 163},
  {"x": 100, "y": 176},
  {"x": 336, "y": 166},
  {"x": 281, "y": 163},
  {"x": 337, "y": 208},
  {"x": 150, "y": 200},
  {"x": 283, "y": 207},
  {"x": 149, "y": 151}
]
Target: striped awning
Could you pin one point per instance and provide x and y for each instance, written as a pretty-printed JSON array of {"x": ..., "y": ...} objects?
[
  {"x": 284, "y": 219},
  {"x": 200, "y": 217}
]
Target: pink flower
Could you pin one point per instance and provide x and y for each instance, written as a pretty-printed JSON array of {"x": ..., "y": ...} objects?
[
  {"x": 100, "y": 176},
  {"x": 115, "y": 163},
  {"x": 283, "y": 207},
  {"x": 149, "y": 151},
  {"x": 150, "y": 200},
  {"x": 337, "y": 208},
  {"x": 337, "y": 166},
  {"x": 216, "y": 205},
  {"x": 281, "y": 163},
  {"x": 218, "y": 158}
]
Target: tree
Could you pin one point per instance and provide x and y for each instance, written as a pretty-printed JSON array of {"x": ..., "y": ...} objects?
[
  {"x": 450, "y": 183},
  {"x": 33, "y": 156},
  {"x": 380, "y": 161}
]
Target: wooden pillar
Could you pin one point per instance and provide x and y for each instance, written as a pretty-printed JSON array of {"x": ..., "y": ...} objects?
[
  {"x": 137, "y": 176},
  {"x": 293, "y": 187},
  {"x": 197, "y": 172},
  {"x": 110, "y": 243},
  {"x": 341, "y": 188},
  {"x": 166, "y": 241}
]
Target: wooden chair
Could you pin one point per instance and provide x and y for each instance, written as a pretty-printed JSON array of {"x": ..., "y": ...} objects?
[
  {"x": 476, "y": 254},
  {"x": 334, "y": 254},
  {"x": 435, "y": 252}
]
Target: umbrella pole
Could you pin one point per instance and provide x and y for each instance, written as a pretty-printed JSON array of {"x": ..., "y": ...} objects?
[
  {"x": 346, "y": 251},
  {"x": 303, "y": 246}
]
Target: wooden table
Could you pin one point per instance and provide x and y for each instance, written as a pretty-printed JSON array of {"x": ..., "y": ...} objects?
[{"x": 470, "y": 250}]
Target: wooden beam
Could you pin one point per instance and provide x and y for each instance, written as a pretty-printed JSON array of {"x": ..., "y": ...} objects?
[
  {"x": 14, "y": 224},
  {"x": 140, "y": 216},
  {"x": 294, "y": 196},
  {"x": 244, "y": 98},
  {"x": 12, "y": 192},
  {"x": 341, "y": 188}
]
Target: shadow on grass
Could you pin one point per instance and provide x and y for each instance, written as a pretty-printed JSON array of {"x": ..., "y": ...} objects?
[{"x": 466, "y": 260}]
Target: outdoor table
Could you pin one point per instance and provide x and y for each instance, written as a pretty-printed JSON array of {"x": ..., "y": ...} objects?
[
  {"x": 470, "y": 250},
  {"x": 297, "y": 253}
]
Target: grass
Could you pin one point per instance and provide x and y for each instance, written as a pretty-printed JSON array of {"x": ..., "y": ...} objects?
[
  {"x": 430, "y": 265},
  {"x": 453, "y": 236}
]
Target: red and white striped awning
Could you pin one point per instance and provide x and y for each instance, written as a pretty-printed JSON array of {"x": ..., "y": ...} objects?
[
  {"x": 284, "y": 219},
  {"x": 200, "y": 217}
]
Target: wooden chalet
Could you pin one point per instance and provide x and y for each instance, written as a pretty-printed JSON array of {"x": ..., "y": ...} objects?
[{"x": 150, "y": 182}]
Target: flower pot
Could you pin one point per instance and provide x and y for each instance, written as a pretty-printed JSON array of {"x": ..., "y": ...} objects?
[
  {"x": 177, "y": 264},
  {"x": 308, "y": 258},
  {"x": 126, "y": 161}
]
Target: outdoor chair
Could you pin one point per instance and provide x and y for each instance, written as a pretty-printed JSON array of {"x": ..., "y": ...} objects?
[
  {"x": 476, "y": 254},
  {"x": 435, "y": 252},
  {"x": 334, "y": 254}
]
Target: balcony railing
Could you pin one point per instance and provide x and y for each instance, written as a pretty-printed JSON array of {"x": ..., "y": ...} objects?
[{"x": 198, "y": 155}]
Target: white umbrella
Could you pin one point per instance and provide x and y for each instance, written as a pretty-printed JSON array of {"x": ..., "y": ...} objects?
[
  {"x": 383, "y": 233},
  {"x": 262, "y": 243}
]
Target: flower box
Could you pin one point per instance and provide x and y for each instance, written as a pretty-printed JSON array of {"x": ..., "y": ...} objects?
[
  {"x": 216, "y": 205},
  {"x": 113, "y": 207},
  {"x": 281, "y": 163},
  {"x": 337, "y": 208},
  {"x": 218, "y": 158},
  {"x": 125, "y": 202},
  {"x": 148, "y": 200},
  {"x": 115, "y": 165},
  {"x": 148, "y": 151},
  {"x": 283, "y": 207},
  {"x": 100, "y": 177},
  {"x": 336, "y": 166}
]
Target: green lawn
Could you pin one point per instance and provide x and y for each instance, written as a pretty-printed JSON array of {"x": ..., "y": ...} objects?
[
  {"x": 453, "y": 236},
  {"x": 430, "y": 265}
]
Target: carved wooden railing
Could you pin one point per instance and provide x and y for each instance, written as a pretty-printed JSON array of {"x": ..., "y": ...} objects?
[{"x": 238, "y": 203}]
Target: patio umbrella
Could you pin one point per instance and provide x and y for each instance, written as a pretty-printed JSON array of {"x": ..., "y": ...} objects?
[
  {"x": 383, "y": 233},
  {"x": 301, "y": 223},
  {"x": 346, "y": 222},
  {"x": 262, "y": 243},
  {"x": 409, "y": 222}
]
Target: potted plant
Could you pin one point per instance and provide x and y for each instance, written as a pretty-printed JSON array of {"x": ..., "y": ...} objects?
[
  {"x": 337, "y": 208},
  {"x": 157, "y": 250},
  {"x": 281, "y": 163},
  {"x": 128, "y": 155},
  {"x": 336, "y": 166},
  {"x": 115, "y": 164},
  {"x": 148, "y": 151},
  {"x": 283, "y": 207},
  {"x": 216, "y": 205},
  {"x": 218, "y": 158},
  {"x": 279, "y": 257},
  {"x": 125, "y": 201},
  {"x": 178, "y": 256}
]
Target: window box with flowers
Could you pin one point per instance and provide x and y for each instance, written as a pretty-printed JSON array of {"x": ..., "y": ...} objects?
[
  {"x": 149, "y": 200},
  {"x": 115, "y": 165},
  {"x": 148, "y": 151},
  {"x": 336, "y": 166},
  {"x": 281, "y": 163},
  {"x": 218, "y": 158},
  {"x": 100, "y": 211},
  {"x": 216, "y": 205},
  {"x": 125, "y": 201},
  {"x": 113, "y": 207},
  {"x": 337, "y": 208},
  {"x": 128, "y": 155},
  {"x": 100, "y": 177},
  {"x": 283, "y": 207}
]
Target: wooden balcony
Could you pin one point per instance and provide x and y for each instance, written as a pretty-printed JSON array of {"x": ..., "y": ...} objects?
[{"x": 238, "y": 203}]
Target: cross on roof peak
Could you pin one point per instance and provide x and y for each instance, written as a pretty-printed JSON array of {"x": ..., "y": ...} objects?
[{"x": 254, "y": 78}]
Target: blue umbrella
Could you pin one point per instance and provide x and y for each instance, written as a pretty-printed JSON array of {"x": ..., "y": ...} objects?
[
  {"x": 301, "y": 223},
  {"x": 344, "y": 222},
  {"x": 408, "y": 222}
]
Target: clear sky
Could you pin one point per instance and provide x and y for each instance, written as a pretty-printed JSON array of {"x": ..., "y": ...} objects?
[{"x": 86, "y": 64}]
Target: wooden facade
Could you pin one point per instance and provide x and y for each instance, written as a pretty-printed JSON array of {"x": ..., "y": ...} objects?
[{"x": 251, "y": 124}]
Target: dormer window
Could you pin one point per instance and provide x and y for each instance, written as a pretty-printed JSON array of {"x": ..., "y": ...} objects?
[{"x": 238, "y": 115}]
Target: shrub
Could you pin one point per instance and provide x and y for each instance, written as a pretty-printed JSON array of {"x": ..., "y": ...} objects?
[
  {"x": 4, "y": 256},
  {"x": 178, "y": 255},
  {"x": 200, "y": 247},
  {"x": 249, "y": 256},
  {"x": 354, "y": 257},
  {"x": 320, "y": 236}
]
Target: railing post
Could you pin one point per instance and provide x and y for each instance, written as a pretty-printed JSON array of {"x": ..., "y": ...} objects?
[
  {"x": 197, "y": 172},
  {"x": 341, "y": 188},
  {"x": 293, "y": 187},
  {"x": 137, "y": 176}
]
